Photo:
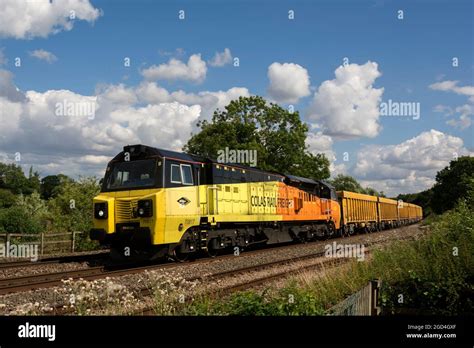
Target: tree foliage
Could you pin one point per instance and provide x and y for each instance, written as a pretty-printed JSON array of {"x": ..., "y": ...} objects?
[
  {"x": 452, "y": 184},
  {"x": 12, "y": 178},
  {"x": 7, "y": 198},
  {"x": 277, "y": 135},
  {"x": 348, "y": 183},
  {"x": 423, "y": 199},
  {"x": 17, "y": 219},
  {"x": 50, "y": 185},
  {"x": 71, "y": 209}
]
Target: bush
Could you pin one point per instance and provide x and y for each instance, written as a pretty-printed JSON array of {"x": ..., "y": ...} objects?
[
  {"x": 437, "y": 272},
  {"x": 16, "y": 219},
  {"x": 71, "y": 209},
  {"x": 7, "y": 199}
]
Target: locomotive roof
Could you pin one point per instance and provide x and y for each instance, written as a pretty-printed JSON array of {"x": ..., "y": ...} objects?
[
  {"x": 149, "y": 151},
  {"x": 299, "y": 179},
  {"x": 293, "y": 179}
]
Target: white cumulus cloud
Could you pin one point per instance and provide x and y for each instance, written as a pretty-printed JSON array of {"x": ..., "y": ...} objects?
[
  {"x": 410, "y": 166},
  {"x": 78, "y": 144},
  {"x": 317, "y": 142},
  {"x": 75, "y": 143},
  {"x": 288, "y": 82},
  {"x": 221, "y": 58},
  {"x": 348, "y": 106},
  {"x": 194, "y": 70},
  {"x": 26, "y": 19},
  {"x": 465, "y": 112}
]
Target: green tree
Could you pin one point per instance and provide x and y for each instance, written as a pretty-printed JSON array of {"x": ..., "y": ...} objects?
[
  {"x": 71, "y": 209},
  {"x": 371, "y": 191},
  {"x": 452, "y": 183},
  {"x": 13, "y": 179},
  {"x": 50, "y": 184},
  {"x": 423, "y": 199},
  {"x": 33, "y": 205},
  {"x": 346, "y": 183},
  {"x": 33, "y": 181},
  {"x": 250, "y": 123}
]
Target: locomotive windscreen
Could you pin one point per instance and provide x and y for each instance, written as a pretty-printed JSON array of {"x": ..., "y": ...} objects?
[{"x": 131, "y": 175}]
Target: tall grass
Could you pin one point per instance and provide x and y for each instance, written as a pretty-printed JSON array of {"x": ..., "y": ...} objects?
[{"x": 431, "y": 275}]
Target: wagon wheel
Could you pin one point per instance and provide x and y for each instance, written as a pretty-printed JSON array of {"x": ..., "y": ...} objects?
[
  {"x": 331, "y": 229},
  {"x": 346, "y": 231},
  {"x": 342, "y": 232}
]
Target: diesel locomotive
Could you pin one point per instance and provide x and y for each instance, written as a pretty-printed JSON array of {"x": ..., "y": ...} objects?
[{"x": 156, "y": 203}]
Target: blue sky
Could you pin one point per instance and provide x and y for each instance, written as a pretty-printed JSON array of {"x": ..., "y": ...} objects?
[{"x": 413, "y": 59}]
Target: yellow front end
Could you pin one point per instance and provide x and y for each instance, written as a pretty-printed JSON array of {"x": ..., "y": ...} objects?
[
  {"x": 122, "y": 212},
  {"x": 174, "y": 211}
]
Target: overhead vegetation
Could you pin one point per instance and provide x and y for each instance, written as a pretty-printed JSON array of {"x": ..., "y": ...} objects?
[{"x": 250, "y": 123}]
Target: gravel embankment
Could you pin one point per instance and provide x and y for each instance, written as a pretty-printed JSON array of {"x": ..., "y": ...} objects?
[{"x": 123, "y": 295}]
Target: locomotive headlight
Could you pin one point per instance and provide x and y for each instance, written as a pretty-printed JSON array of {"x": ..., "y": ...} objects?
[
  {"x": 145, "y": 208},
  {"x": 100, "y": 210}
]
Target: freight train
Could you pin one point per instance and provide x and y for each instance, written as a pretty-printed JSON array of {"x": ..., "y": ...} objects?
[{"x": 156, "y": 203}]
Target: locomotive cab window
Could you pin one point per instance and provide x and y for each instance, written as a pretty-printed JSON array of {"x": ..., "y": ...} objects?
[
  {"x": 175, "y": 174},
  {"x": 181, "y": 174},
  {"x": 130, "y": 175},
  {"x": 186, "y": 174},
  {"x": 325, "y": 192}
]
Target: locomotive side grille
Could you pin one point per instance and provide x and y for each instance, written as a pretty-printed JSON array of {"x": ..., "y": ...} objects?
[{"x": 125, "y": 210}]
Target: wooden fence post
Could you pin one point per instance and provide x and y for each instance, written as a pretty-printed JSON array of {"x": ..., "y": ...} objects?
[
  {"x": 42, "y": 243},
  {"x": 73, "y": 237}
]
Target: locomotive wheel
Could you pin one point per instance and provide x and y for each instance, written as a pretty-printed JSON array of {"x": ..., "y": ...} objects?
[
  {"x": 179, "y": 256},
  {"x": 212, "y": 252}
]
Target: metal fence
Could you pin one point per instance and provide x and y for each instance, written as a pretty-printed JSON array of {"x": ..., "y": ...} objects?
[
  {"x": 47, "y": 242},
  {"x": 363, "y": 302}
]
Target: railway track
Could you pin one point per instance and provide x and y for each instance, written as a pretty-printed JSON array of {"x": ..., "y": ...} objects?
[
  {"x": 53, "y": 260},
  {"x": 322, "y": 263},
  {"x": 45, "y": 280}
]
